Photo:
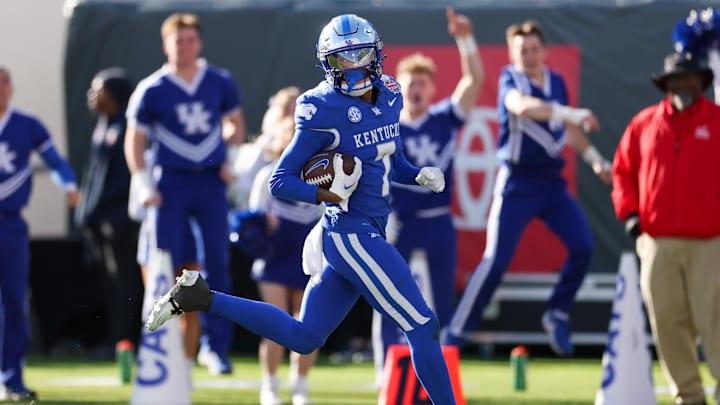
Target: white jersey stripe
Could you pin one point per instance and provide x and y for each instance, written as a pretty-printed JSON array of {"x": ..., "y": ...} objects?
[
  {"x": 178, "y": 145},
  {"x": 45, "y": 146},
  {"x": 520, "y": 125},
  {"x": 191, "y": 87},
  {"x": 190, "y": 151},
  {"x": 13, "y": 183},
  {"x": 446, "y": 155},
  {"x": 515, "y": 141},
  {"x": 521, "y": 81},
  {"x": 542, "y": 137}
]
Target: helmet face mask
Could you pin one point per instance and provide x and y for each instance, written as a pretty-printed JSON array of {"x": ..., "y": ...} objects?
[{"x": 349, "y": 44}]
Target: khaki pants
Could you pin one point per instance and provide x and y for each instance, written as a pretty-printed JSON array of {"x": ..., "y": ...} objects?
[{"x": 680, "y": 283}]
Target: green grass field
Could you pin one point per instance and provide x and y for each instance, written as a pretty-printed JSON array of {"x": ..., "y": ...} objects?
[{"x": 550, "y": 381}]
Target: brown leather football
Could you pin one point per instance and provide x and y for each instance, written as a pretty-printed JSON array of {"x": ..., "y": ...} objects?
[{"x": 319, "y": 169}]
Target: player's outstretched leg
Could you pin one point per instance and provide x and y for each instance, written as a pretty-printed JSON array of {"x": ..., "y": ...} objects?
[{"x": 190, "y": 293}]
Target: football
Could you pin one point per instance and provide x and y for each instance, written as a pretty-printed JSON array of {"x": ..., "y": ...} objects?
[{"x": 319, "y": 170}]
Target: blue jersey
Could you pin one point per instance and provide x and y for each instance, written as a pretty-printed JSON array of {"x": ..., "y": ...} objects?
[
  {"x": 429, "y": 141},
  {"x": 20, "y": 135},
  {"x": 531, "y": 147},
  {"x": 185, "y": 119},
  {"x": 327, "y": 119}
]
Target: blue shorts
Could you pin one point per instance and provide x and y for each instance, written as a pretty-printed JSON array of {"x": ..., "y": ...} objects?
[{"x": 284, "y": 264}]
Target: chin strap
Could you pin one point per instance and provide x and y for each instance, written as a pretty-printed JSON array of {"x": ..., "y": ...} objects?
[{"x": 354, "y": 78}]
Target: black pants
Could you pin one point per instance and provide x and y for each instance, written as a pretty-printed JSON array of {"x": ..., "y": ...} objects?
[{"x": 112, "y": 250}]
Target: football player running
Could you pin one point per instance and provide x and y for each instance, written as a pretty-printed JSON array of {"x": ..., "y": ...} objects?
[{"x": 355, "y": 111}]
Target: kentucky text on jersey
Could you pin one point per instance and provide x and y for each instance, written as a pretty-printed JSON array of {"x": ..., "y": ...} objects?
[{"x": 377, "y": 135}]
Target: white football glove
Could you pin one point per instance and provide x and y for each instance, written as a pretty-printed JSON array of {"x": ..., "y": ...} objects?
[
  {"x": 431, "y": 178},
  {"x": 343, "y": 184}
]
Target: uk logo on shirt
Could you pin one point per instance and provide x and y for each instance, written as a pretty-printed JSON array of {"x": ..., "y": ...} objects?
[
  {"x": 194, "y": 117},
  {"x": 6, "y": 158},
  {"x": 423, "y": 150}
]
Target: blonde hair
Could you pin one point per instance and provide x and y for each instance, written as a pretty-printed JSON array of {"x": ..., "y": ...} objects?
[
  {"x": 281, "y": 134},
  {"x": 529, "y": 27},
  {"x": 176, "y": 22},
  {"x": 280, "y": 105},
  {"x": 416, "y": 63},
  {"x": 284, "y": 100}
]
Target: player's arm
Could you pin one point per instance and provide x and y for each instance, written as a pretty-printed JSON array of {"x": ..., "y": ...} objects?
[
  {"x": 473, "y": 74},
  {"x": 140, "y": 116},
  {"x": 403, "y": 172},
  {"x": 135, "y": 144},
  {"x": 234, "y": 136},
  {"x": 235, "y": 124},
  {"x": 285, "y": 182},
  {"x": 540, "y": 110},
  {"x": 62, "y": 173},
  {"x": 579, "y": 141},
  {"x": 231, "y": 108},
  {"x": 141, "y": 183}
]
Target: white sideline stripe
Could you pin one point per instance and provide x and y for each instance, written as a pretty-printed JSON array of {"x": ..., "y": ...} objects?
[
  {"x": 245, "y": 384},
  {"x": 219, "y": 383}
]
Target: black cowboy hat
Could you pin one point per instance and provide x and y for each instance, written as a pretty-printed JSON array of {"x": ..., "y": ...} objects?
[{"x": 683, "y": 63}]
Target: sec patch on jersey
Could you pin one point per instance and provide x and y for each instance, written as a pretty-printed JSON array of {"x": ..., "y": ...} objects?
[{"x": 319, "y": 170}]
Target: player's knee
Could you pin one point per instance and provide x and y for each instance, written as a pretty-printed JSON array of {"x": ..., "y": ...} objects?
[
  {"x": 433, "y": 327},
  {"x": 306, "y": 342},
  {"x": 581, "y": 250},
  {"x": 430, "y": 329}
]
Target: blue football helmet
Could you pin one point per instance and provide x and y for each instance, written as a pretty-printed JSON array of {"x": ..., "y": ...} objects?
[{"x": 350, "y": 51}]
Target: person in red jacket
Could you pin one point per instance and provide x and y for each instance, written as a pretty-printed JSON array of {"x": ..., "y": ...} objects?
[{"x": 666, "y": 188}]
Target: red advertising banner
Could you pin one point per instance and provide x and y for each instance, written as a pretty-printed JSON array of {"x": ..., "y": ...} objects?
[{"x": 476, "y": 164}]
